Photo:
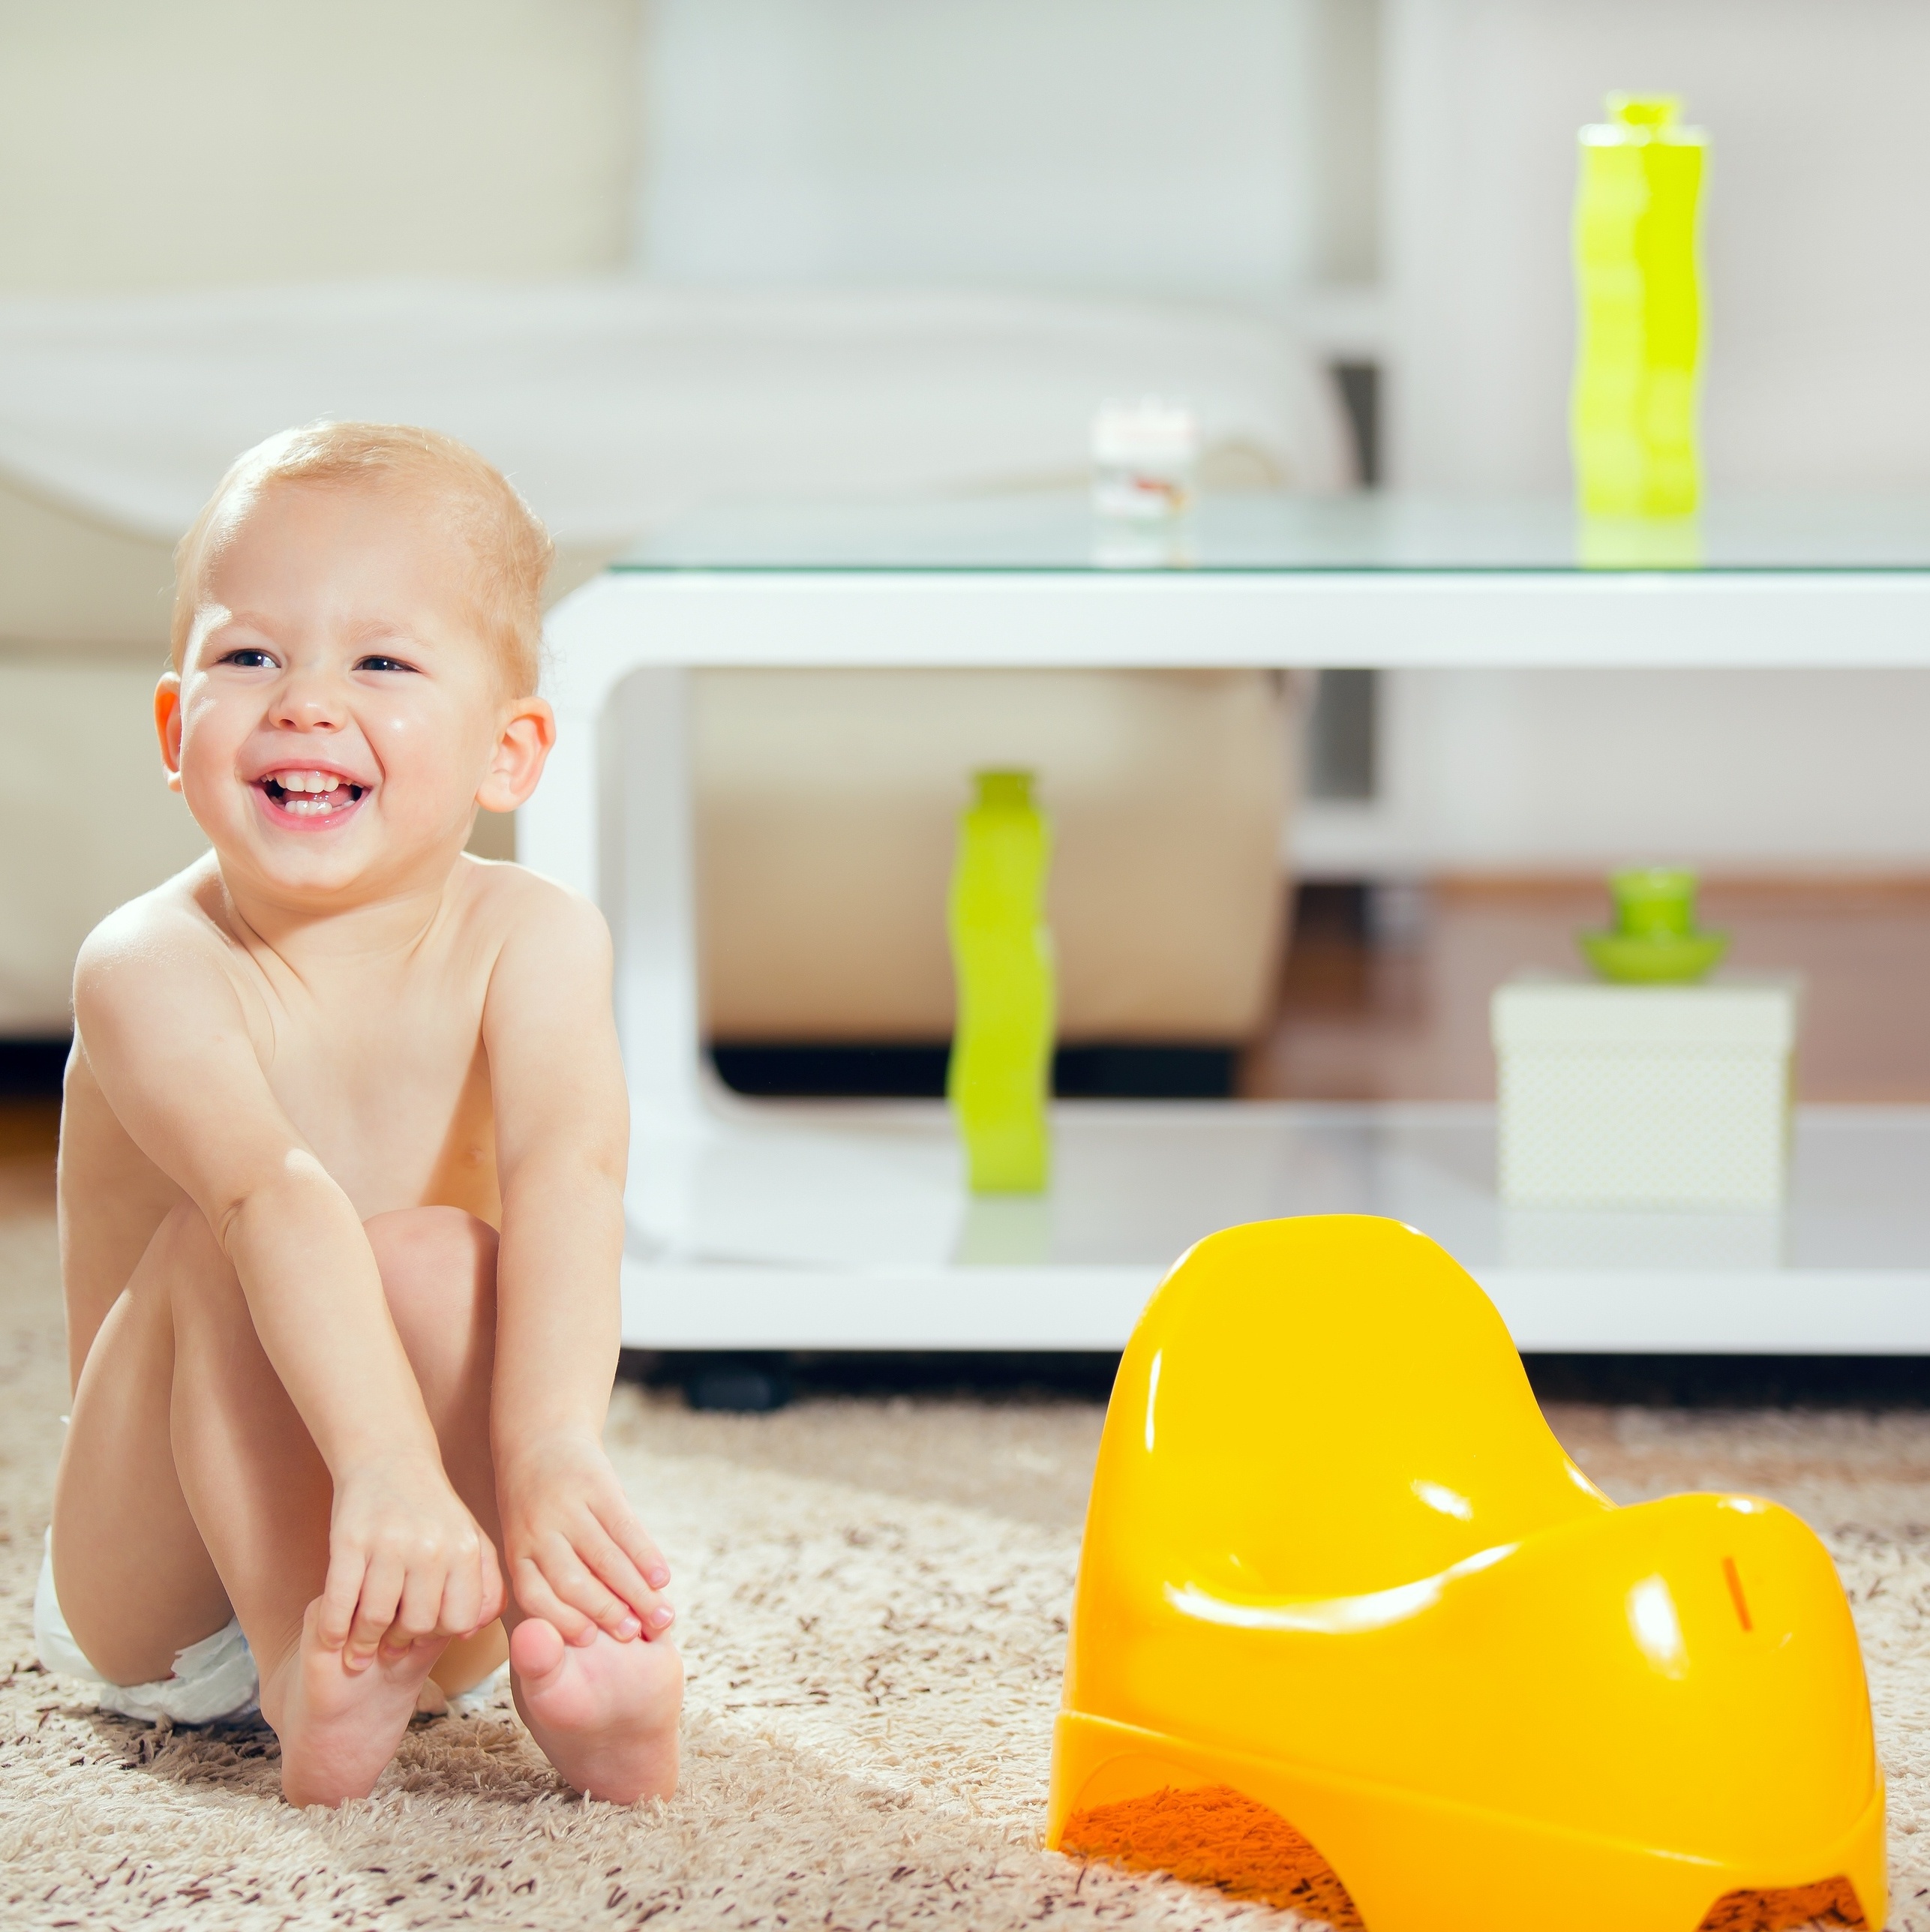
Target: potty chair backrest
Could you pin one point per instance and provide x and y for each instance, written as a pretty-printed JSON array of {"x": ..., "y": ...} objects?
[{"x": 1323, "y": 1407}]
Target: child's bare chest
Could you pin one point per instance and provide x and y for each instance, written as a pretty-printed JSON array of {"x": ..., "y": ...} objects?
[{"x": 393, "y": 1094}]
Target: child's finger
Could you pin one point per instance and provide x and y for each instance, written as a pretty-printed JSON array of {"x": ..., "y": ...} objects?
[
  {"x": 579, "y": 1587},
  {"x": 341, "y": 1593},
  {"x": 536, "y": 1599},
  {"x": 375, "y": 1611},
  {"x": 495, "y": 1598},
  {"x": 613, "y": 1568},
  {"x": 459, "y": 1614},
  {"x": 472, "y": 1594},
  {"x": 419, "y": 1608},
  {"x": 631, "y": 1536},
  {"x": 459, "y": 1609}
]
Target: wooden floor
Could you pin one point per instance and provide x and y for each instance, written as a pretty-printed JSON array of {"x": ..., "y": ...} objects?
[
  {"x": 29, "y": 1128},
  {"x": 1393, "y": 1005}
]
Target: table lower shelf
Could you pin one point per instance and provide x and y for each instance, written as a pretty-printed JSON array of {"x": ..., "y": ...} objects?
[{"x": 846, "y": 1226}]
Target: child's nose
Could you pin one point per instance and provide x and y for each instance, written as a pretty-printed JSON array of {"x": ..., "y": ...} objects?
[{"x": 308, "y": 703}]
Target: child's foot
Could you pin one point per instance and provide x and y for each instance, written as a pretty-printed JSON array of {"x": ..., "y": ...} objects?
[
  {"x": 605, "y": 1713},
  {"x": 339, "y": 1728}
]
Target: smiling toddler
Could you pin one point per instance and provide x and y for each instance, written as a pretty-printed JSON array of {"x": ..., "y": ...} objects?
[{"x": 342, "y": 1164}]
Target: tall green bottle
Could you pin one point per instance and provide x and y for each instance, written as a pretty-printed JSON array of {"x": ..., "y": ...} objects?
[
  {"x": 1639, "y": 298},
  {"x": 1001, "y": 1063}
]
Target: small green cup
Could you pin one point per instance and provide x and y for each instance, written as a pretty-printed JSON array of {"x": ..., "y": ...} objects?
[
  {"x": 1654, "y": 902},
  {"x": 1655, "y": 941}
]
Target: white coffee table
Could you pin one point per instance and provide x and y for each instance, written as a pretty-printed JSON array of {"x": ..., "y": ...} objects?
[{"x": 781, "y": 1225}]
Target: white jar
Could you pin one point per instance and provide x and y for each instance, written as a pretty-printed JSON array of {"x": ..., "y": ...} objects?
[{"x": 1144, "y": 455}]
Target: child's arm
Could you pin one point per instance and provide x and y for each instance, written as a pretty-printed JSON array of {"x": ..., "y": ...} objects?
[
  {"x": 168, "y": 1040},
  {"x": 576, "y": 1554}
]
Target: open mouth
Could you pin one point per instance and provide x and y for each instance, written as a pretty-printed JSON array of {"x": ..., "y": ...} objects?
[{"x": 311, "y": 794}]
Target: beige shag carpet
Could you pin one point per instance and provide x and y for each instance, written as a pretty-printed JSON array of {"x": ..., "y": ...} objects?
[{"x": 873, "y": 1597}]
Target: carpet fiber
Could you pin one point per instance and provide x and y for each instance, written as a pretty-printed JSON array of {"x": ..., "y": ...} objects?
[{"x": 873, "y": 1596}]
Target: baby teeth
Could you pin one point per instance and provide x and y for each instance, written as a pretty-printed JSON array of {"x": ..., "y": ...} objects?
[{"x": 312, "y": 794}]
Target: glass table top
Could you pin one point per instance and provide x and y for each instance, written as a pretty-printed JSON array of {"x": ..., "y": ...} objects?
[{"x": 1058, "y": 532}]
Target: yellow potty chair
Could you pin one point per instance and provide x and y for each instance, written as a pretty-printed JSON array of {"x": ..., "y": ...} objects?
[{"x": 1336, "y": 1566}]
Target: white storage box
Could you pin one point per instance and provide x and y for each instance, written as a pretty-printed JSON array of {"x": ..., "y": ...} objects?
[{"x": 1645, "y": 1096}]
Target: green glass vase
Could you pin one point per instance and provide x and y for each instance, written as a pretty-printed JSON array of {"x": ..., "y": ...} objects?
[
  {"x": 1001, "y": 1063},
  {"x": 1639, "y": 302}
]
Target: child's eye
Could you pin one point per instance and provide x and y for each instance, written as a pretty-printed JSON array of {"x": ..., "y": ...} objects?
[
  {"x": 378, "y": 662},
  {"x": 249, "y": 658}
]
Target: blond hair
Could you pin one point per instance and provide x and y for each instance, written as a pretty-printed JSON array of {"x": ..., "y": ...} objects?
[{"x": 510, "y": 549}]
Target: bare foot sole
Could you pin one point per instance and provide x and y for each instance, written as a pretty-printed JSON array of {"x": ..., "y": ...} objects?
[
  {"x": 338, "y": 1729},
  {"x": 605, "y": 1713}
]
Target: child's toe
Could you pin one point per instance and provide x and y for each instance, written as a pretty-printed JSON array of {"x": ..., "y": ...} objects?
[{"x": 536, "y": 1647}]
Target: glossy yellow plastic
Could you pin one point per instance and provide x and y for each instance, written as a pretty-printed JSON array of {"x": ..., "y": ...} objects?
[{"x": 1335, "y": 1559}]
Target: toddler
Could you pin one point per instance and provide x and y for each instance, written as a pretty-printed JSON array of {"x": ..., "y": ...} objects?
[{"x": 342, "y": 1164}]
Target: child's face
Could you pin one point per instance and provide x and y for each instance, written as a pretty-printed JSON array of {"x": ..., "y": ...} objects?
[{"x": 338, "y": 716}]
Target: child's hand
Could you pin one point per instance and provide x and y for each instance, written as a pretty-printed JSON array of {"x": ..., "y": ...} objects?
[
  {"x": 578, "y": 1555},
  {"x": 406, "y": 1562}
]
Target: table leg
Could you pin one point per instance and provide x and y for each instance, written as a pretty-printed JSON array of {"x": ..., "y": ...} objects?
[
  {"x": 644, "y": 748},
  {"x": 613, "y": 819}
]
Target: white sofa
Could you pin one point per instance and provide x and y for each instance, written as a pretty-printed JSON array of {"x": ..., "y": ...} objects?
[
  {"x": 825, "y": 802},
  {"x": 136, "y": 359}
]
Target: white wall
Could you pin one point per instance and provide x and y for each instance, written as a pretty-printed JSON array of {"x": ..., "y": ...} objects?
[
  {"x": 1739, "y": 772},
  {"x": 1817, "y": 269},
  {"x": 150, "y": 142},
  {"x": 1818, "y": 276},
  {"x": 1198, "y": 148}
]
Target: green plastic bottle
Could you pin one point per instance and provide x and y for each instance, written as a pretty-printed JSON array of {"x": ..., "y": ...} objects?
[
  {"x": 1639, "y": 301},
  {"x": 1000, "y": 1069}
]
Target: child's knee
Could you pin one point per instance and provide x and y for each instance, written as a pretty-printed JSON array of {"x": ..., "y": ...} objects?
[{"x": 438, "y": 1266}]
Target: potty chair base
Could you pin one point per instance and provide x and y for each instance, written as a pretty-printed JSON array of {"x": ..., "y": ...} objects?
[{"x": 1411, "y": 1863}]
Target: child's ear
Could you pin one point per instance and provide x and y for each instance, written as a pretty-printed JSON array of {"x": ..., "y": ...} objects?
[
  {"x": 529, "y": 730},
  {"x": 167, "y": 725}
]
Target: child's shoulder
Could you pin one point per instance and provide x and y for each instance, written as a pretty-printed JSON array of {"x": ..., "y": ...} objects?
[
  {"x": 527, "y": 910},
  {"x": 549, "y": 948},
  {"x": 179, "y": 918},
  {"x": 157, "y": 946}
]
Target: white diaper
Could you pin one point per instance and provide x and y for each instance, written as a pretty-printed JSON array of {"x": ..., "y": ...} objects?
[{"x": 212, "y": 1679}]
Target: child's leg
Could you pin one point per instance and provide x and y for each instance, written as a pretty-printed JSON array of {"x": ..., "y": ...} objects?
[
  {"x": 605, "y": 1713},
  {"x": 189, "y": 1482},
  {"x": 136, "y": 1583},
  {"x": 178, "y": 1357}
]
